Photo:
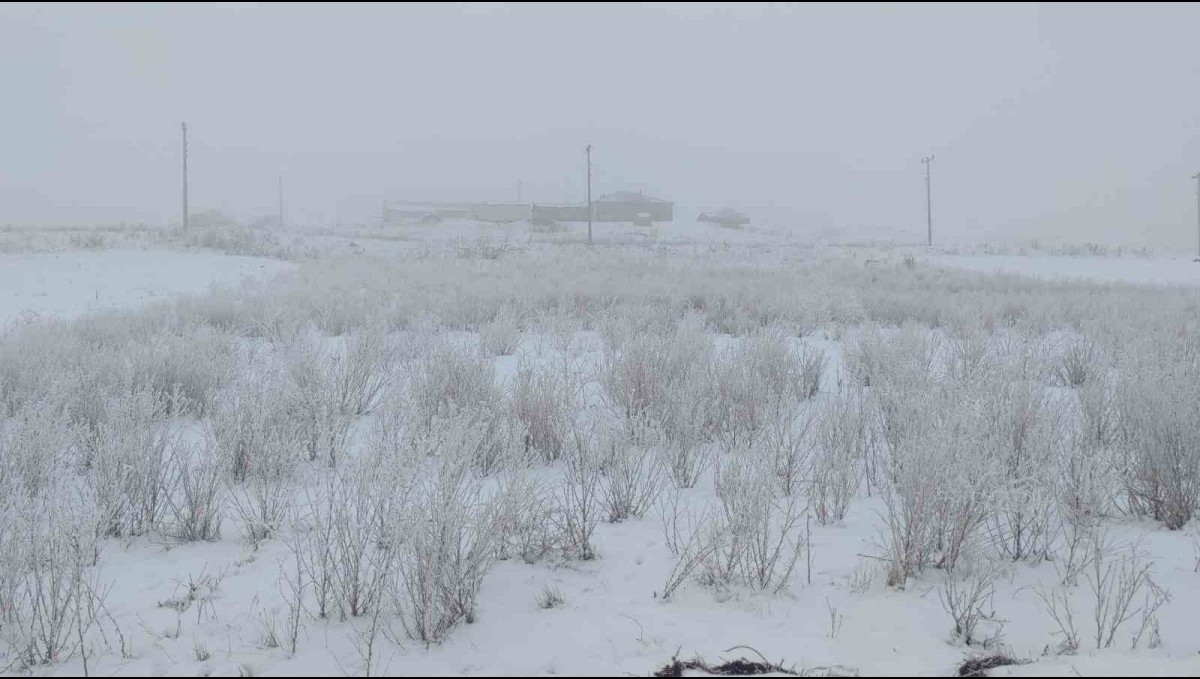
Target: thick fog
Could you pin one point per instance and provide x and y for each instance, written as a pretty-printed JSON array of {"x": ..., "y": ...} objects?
[{"x": 1078, "y": 122}]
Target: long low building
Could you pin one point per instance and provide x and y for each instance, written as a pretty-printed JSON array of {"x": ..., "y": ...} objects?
[
  {"x": 502, "y": 212},
  {"x": 628, "y": 206},
  {"x": 622, "y": 206}
]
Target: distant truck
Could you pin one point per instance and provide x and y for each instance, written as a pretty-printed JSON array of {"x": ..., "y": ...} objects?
[{"x": 727, "y": 217}]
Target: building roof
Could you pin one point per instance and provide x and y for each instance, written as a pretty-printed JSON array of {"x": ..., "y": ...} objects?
[{"x": 629, "y": 197}]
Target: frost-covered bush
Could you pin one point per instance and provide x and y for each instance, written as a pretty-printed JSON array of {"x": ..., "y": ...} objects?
[
  {"x": 525, "y": 520},
  {"x": 48, "y": 583},
  {"x": 36, "y": 444},
  {"x": 1023, "y": 430},
  {"x": 195, "y": 503},
  {"x": 319, "y": 403},
  {"x": 249, "y": 424},
  {"x": 128, "y": 463},
  {"x": 368, "y": 369},
  {"x": 641, "y": 377},
  {"x": 633, "y": 478},
  {"x": 1078, "y": 361},
  {"x": 1160, "y": 445},
  {"x": 786, "y": 441},
  {"x": 752, "y": 381},
  {"x": 449, "y": 548},
  {"x": 939, "y": 488},
  {"x": 451, "y": 379},
  {"x": 500, "y": 336},
  {"x": 843, "y": 455},
  {"x": 185, "y": 370},
  {"x": 970, "y": 353},
  {"x": 813, "y": 363},
  {"x": 544, "y": 403},
  {"x": 578, "y": 496},
  {"x": 754, "y": 538}
]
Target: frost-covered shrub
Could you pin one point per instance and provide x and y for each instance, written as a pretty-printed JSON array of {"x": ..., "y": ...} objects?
[
  {"x": 863, "y": 357},
  {"x": 525, "y": 520},
  {"x": 640, "y": 377},
  {"x": 939, "y": 488},
  {"x": 633, "y": 478},
  {"x": 368, "y": 369},
  {"x": 754, "y": 539},
  {"x": 1160, "y": 446},
  {"x": 451, "y": 379},
  {"x": 185, "y": 370},
  {"x": 48, "y": 584},
  {"x": 683, "y": 453},
  {"x": 970, "y": 353},
  {"x": 128, "y": 464},
  {"x": 194, "y": 505},
  {"x": 500, "y": 336},
  {"x": 578, "y": 497},
  {"x": 449, "y": 548},
  {"x": 1099, "y": 414},
  {"x": 1022, "y": 428},
  {"x": 813, "y": 363},
  {"x": 843, "y": 453},
  {"x": 544, "y": 403},
  {"x": 36, "y": 444},
  {"x": 786, "y": 441},
  {"x": 319, "y": 404},
  {"x": 250, "y": 419},
  {"x": 751, "y": 382},
  {"x": 362, "y": 562},
  {"x": 489, "y": 439},
  {"x": 1079, "y": 360}
]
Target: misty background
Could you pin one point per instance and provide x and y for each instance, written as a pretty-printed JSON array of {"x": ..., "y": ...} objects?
[{"x": 1062, "y": 122}]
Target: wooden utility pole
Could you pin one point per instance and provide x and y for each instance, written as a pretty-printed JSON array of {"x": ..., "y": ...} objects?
[
  {"x": 928, "y": 203},
  {"x": 185, "y": 205},
  {"x": 589, "y": 190},
  {"x": 1197, "y": 178}
]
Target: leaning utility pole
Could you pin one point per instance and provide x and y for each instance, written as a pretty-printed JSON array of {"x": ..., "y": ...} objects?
[
  {"x": 589, "y": 182},
  {"x": 928, "y": 203},
  {"x": 1197, "y": 178},
  {"x": 185, "y": 207}
]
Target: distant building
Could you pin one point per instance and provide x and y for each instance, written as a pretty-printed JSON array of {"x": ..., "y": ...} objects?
[
  {"x": 546, "y": 214},
  {"x": 502, "y": 212},
  {"x": 628, "y": 206},
  {"x": 623, "y": 206}
]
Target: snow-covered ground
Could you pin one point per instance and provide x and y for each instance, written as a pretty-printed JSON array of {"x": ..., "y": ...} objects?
[
  {"x": 221, "y": 607},
  {"x": 67, "y": 284},
  {"x": 1152, "y": 271}
]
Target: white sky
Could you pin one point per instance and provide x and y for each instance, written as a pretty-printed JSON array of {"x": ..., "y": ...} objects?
[{"x": 1063, "y": 121}]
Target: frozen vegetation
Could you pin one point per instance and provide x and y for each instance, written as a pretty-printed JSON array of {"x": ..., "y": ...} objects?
[{"x": 486, "y": 450}]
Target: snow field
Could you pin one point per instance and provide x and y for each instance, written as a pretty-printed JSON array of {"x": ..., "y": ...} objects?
[{"x": 548, "y": 460}]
